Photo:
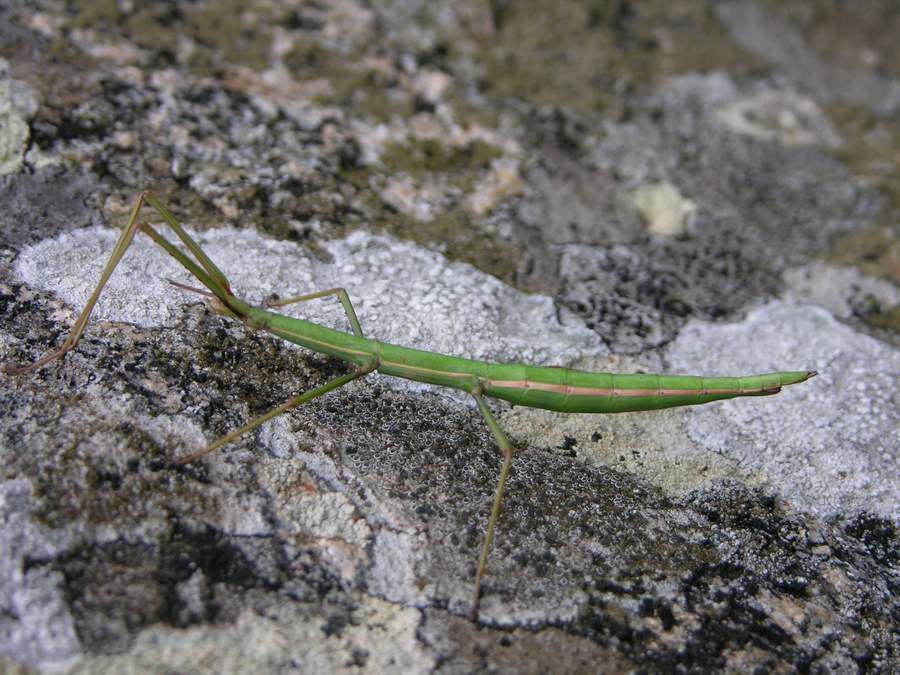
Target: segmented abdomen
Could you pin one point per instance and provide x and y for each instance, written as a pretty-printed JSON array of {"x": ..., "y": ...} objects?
[{"x": 570, "y": 390}]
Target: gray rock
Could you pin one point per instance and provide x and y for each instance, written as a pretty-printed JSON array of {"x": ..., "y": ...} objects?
[
  {"x": 343, "y": 536},
  {"x": 36, "y": 624},
  {"x": 774, "y": 39}
]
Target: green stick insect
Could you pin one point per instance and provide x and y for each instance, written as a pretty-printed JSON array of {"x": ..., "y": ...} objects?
[{"x": 551, "y": 388}]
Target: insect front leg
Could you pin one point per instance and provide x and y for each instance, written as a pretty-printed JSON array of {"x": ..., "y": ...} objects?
[
  {"x": 200, "y": 266},
  {"x": 78, "y": 328}
]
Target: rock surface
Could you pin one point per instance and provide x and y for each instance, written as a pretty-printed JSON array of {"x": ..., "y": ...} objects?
[{"x": 677, "y": 187}]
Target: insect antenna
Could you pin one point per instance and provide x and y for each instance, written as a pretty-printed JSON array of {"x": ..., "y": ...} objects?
[{"x": 192, "y": 289}]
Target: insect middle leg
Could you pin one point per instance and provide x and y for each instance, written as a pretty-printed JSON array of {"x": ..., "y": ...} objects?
[
  {"x": 291, "y": 403},
  {"x": 341, "y": 294}
]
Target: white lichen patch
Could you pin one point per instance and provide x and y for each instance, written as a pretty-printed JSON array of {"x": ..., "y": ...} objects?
[
  {"x": 327, "y": 516},
  {"x": 393, "y": 574},
  {"x": 431, "y": 84},
  {"x": 784, "y": 117},
  {"x": 306, "y": 513},
  {"x": 654, "y": 445},
  {"x": 829, "y": 445},
  {"x": 355, "y": 529},
  {"x": 838, "y": 289},
  {"x": 380, "y": 639},
  {"x": 35, "y": 620}
]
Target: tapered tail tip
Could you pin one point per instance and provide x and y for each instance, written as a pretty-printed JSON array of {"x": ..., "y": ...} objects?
[{"x": 796, "y": 376}]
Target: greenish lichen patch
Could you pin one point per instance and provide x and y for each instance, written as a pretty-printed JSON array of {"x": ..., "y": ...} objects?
[
  {"x": 887, "y": 318},
  {"x": 232, "y": 31},
  {"x": 870, "y": 151},
  {"x": 422, "y": 190},
  {"x": 849, "y": 37},
  {"x": 876, "y": 251},
  {"x": 578, "y": 53},
  {"x": 187, "y": 206},
  {"x": 459, "y": 240},
  {"x": 305, "y": 132},
  {"x": 349, "y": 80},
  {"x": 428, "y": 155}
]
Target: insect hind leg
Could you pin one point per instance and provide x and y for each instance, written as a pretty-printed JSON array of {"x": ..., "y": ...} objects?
[{"x": 507, "y": 449}]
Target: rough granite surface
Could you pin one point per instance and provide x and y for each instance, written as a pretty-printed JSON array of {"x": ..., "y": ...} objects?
[{"x": 684, "y": 187}]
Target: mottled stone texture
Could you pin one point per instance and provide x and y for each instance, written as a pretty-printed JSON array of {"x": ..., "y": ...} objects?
[{"x": 692, "y": 186}]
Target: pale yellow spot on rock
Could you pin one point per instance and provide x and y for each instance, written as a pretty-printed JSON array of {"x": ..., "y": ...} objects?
[
  {"x": 502, "y": 181},
  {"x": 663, "y": 208}
]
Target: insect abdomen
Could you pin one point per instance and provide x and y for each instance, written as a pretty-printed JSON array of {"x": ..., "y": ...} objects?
[{"x": 569, "y": 390}]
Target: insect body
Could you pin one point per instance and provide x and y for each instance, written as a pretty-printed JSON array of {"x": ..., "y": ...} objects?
[{"x": 552, "y": 388}]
